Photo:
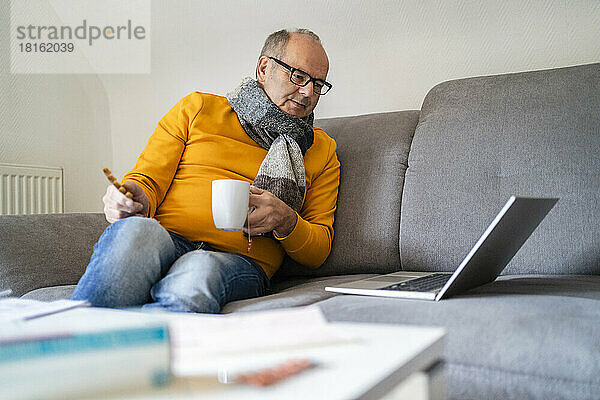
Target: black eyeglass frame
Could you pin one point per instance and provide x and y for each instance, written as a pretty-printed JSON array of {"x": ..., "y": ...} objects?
[{"x": 310, "y": 78}]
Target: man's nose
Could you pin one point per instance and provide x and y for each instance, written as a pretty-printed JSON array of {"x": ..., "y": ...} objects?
[{"x": 307, "y": 90}]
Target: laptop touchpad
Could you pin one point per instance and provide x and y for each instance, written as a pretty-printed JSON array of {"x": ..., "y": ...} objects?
[{"x": 390, "y": 279}]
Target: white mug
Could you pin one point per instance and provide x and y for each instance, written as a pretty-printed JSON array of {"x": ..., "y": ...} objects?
[{"x": 230, "y": 199}]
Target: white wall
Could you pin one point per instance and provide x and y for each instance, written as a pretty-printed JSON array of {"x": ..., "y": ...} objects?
[
  {"x": 55, "y": 120},
  {"x": 384, "y": 56}
]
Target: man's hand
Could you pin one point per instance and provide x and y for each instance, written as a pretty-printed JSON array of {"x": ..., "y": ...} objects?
[
  {"x": 270, "y": 214},
  {"x": 117, "y": 206}
]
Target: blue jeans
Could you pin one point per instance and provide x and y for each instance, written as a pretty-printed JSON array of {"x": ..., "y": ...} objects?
[{"x": 138, "y": 262}]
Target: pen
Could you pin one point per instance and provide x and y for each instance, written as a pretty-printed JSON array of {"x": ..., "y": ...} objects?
[
  {"x": 268, "y": 376},
  {"x": 116, "y": 184}
]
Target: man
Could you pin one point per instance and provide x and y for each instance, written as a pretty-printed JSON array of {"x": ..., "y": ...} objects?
[{"x": 162, "y": 249}]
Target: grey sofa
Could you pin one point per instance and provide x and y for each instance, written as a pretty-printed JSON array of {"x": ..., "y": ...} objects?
[{"x": 417, "y": 190}]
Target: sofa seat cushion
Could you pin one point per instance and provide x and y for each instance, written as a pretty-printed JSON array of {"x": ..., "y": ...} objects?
[
  {"x": 520, "y": 337},
  {"x": 51, "y": 293},
  {"x": 293, "y": 292},
  {"x": 290, "y": 292}
]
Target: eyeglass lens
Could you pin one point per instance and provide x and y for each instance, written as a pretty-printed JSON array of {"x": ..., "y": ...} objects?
[{"x": 300, "y": 78}]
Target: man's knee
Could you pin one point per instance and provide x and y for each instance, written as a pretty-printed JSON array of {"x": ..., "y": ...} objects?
[
  {"x": 138, "y": 227},
  {"x": 131, "y": 255},
  {"x": 134, "y": 245},
  {"x": 202, "y": 261},
  {"x": 194, "y": 283},
  {"x": 225, "y": 276},
  {"x": 137, "y": 233}
]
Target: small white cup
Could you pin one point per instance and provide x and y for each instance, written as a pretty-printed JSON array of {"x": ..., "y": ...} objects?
[{"x": 230, "y": 199}]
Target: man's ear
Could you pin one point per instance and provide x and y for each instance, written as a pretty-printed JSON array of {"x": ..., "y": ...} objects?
[{"x": 261, "y": 69}]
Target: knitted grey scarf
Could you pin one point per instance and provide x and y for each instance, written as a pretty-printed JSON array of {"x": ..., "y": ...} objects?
[{"x": 285, "y": 136}]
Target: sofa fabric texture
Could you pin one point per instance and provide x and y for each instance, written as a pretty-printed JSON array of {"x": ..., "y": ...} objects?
[
  {"x": 46, "y": 250},
  {"x": 521, "y": 337},
  {"x": 293, "y": 292},
  {"x": 480, "y": 140},
  {"x": 373, "y": 153}
]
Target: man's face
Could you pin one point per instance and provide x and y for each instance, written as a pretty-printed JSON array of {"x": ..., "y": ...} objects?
[{"x": 303, "y": 53}]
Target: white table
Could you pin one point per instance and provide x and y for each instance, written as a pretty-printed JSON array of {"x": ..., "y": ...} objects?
[{"x": 372, "y": 365}]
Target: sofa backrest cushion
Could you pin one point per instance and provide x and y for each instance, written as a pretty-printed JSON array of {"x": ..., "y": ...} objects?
[
  {"x": 480, "y": 140},
  {"x": 46, "y": 250},
  {"x": 373, "y": 151}
]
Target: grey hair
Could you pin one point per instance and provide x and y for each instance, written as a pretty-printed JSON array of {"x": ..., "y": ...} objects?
[{"x": 275, "y": 44}]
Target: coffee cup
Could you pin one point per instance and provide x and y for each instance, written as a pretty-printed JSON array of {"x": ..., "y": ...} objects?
[{"x": 230, "y": 199}]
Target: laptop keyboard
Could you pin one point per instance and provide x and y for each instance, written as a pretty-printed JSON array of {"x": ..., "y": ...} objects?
[{"x": 424, "y": 284}]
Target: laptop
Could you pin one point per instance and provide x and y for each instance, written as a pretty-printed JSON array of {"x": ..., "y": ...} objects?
[{"x": 513, "y": 225}]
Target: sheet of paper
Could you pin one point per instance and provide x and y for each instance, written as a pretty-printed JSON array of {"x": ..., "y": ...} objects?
[
  {"x": 16, "y": 309},
  {"x": 198, "y": 344}
]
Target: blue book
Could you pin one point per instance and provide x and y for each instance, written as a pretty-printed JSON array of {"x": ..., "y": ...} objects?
[{"x": 76, "y": 364}]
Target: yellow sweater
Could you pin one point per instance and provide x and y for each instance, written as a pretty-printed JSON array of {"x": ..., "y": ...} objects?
[{"x": 199, "y": 140}]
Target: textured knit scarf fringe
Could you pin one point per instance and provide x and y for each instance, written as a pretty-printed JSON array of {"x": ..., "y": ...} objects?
[{"x": 284, "y": 136}]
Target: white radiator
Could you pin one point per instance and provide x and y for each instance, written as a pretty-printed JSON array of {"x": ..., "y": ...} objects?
[{"x": 27, "y": 189}]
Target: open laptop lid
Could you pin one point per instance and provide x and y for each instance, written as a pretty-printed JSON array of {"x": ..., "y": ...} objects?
[{"x": 499, "y": 243}]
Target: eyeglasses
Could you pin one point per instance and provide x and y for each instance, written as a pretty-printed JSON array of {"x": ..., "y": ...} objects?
[{"x": 301, "y": 78}]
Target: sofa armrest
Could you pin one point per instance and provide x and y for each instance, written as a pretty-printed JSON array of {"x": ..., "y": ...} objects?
[{"x": 46, "y": 250}]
